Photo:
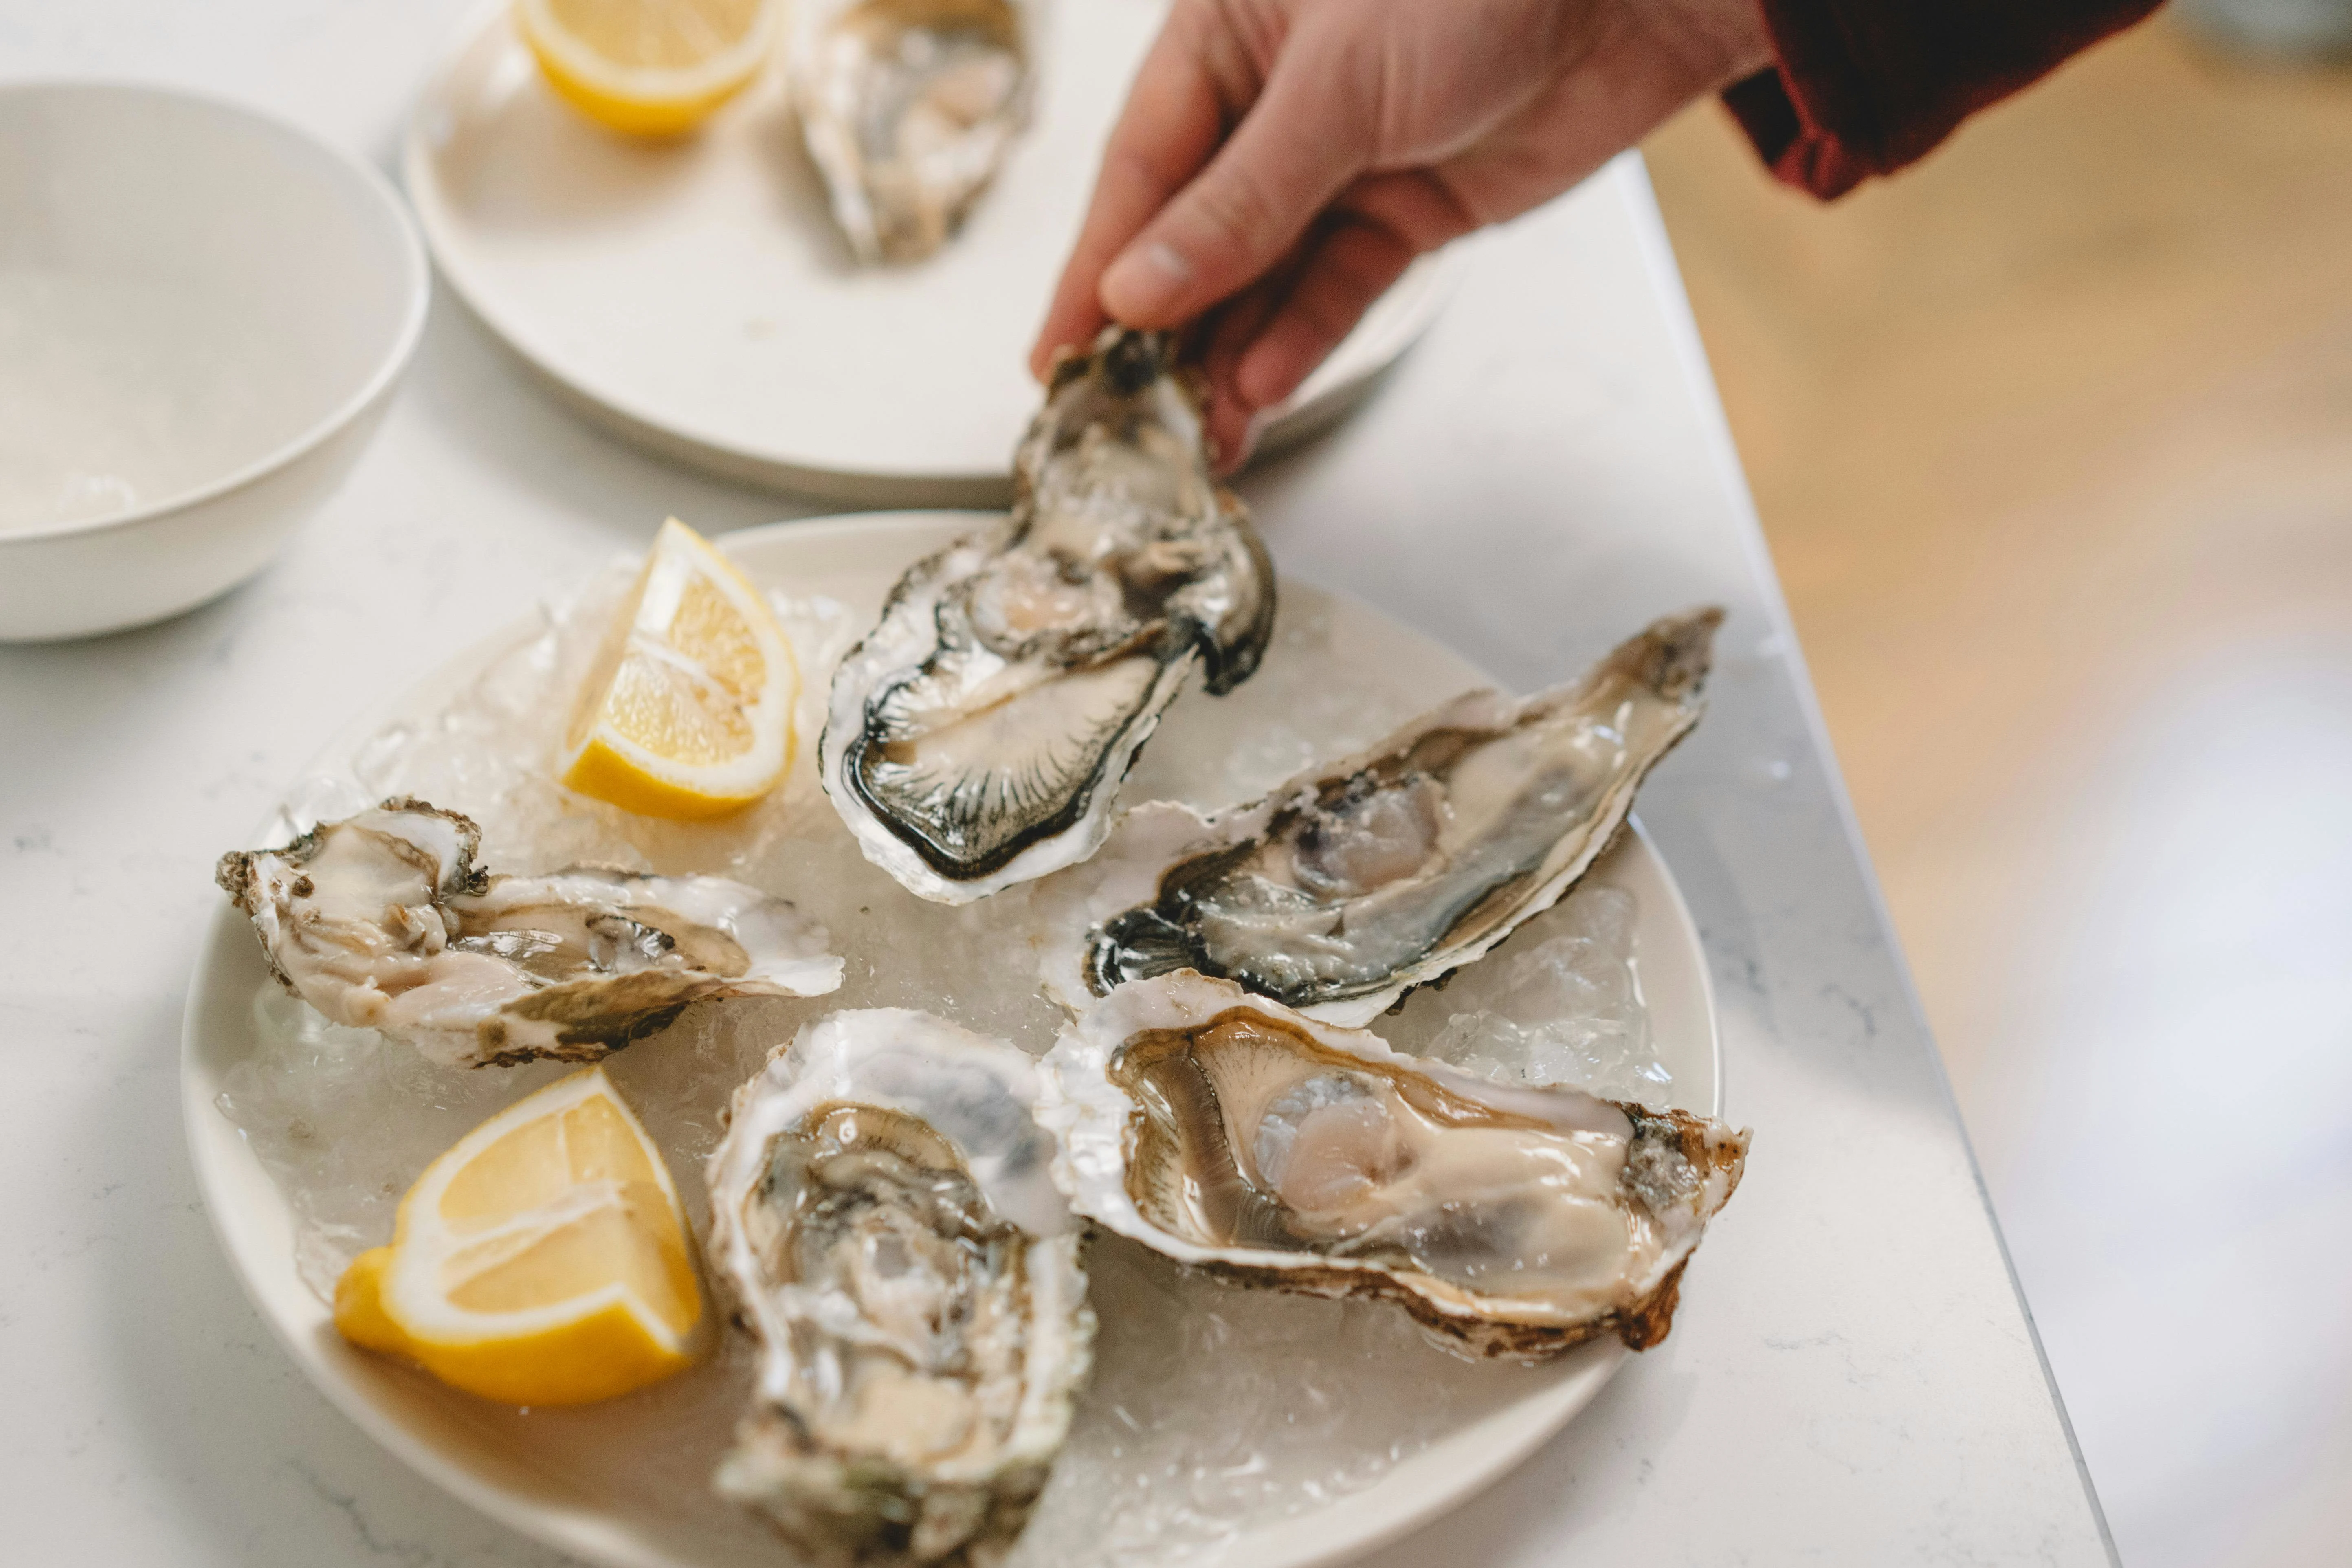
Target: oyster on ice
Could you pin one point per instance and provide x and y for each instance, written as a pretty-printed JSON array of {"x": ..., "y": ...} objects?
[
  {"x": 1353, "y": 883},
  {"x": 884, "y": 1218},
  {"x": 385, "y": 921},
  {"x": 1234, "y": 1134},
  {"x": 908, "y": 108},
  {"x": 978, "y": 735}
]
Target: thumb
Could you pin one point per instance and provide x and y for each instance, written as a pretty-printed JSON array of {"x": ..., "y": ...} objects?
[{"x": 1297, "y": 148}]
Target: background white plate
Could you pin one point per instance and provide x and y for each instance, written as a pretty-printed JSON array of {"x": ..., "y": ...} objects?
[
  {"x": 512, "y": 1467},
  {"x": 695, "y": 296}
]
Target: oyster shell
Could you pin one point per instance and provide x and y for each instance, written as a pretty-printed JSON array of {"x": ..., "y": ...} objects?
[
  {"x": 908, "y": 107},
  {"x": 976, "y": 738},
  {"x": 385, "y": 921},
  {"x": 1355, "y": 882},
  {"x": 1236, "y": 1135},
  {"x": 882, "y": 1214}
]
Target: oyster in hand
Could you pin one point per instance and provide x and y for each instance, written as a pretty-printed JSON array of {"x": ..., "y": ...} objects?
[
  {"x": 385, "y": 921},
  {"x": 883, "y": 1217},
  {"x": 908, "y": 108},
  {"x": 978, "y": 735},
  {"x": 1237, "y": 1136},
  {"x": 1357, "y": 881}
]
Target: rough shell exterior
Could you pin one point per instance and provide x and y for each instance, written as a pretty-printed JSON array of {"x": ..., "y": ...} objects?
[
  {"x": 1660, "y": 669},
  {"x": 387, "y": 920},
  {"x": 1096, "y": 1125},
  {"x": 844, "y": 1500},
  {"x": 977, "y": 737}
]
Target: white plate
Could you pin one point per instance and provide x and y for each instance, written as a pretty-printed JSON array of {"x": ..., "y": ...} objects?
[
  {"x": 514, "y": 1467},
  {"x": 696, "y": 296}
]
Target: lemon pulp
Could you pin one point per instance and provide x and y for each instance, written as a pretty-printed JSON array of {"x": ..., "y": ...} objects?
[
  {"x": 544, "y": 1259},
  {"x": 650, "y": 67},
  {"x": 688, "y": 709}
]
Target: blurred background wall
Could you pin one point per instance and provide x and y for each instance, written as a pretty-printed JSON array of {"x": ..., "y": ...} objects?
[{"x": 2053, "y": 439}]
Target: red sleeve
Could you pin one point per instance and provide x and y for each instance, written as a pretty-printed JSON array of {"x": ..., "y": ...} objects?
[{"x": 1864, "y": 87}]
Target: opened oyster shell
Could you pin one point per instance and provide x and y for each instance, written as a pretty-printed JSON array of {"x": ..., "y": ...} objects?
[
  {"x": 977, "y": 737},
  {"x": 385, "y": 921},
  {"x": 908, "y": 108},
  {"x": 883, "y": 1216},
  {"x": 1236, "y": 1135},
  {"x": 1353, "y": 883}
]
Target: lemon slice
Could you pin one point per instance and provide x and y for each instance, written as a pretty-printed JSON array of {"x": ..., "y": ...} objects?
[
  {"x": 652, "y": 68},
  {"x": 687, "y": 711},
  {"x": 543, "y": 1260}
]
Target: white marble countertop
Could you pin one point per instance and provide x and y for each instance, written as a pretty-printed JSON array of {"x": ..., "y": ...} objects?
[{"x": 1852, "y": 1379}]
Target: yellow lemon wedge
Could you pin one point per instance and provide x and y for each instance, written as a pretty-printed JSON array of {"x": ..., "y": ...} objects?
[
  {"x": 687, "y": 711},
  {"x": 543, "y": 1260},
  {"x": 650, "y": 67}
]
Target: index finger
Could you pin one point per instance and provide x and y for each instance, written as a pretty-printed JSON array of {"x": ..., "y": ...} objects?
[{"x": 1192, "y": 85}]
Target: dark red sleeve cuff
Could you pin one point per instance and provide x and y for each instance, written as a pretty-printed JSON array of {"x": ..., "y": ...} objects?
[{"x": 1862, "y": 86}]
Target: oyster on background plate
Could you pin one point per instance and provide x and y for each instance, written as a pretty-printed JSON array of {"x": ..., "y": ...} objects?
[
  {"x": 1236, "y": 1135},
  {"x": 1358, "y": 880},
  {"x": 884, "y": 1218},
  {"x": 908, "y": 108},
  {"x": 386, "y": 920},
  {"x": 978, "y": 735}
]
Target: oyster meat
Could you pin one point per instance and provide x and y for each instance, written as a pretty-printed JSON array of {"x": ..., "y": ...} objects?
[
  {"x": 977, "y": 737},
  {"x": 385, "y": 920},
  {"x": 1353, "y": 883},
  {"x": 884, "y": 1218},
  {"x": 908, "y": 107},
  {"x": 1234, "y": 1134}
]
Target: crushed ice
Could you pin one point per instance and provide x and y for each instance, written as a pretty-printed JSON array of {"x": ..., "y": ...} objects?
[
  {"x": 1213, "y": 1408},
  {"x": 1561, "y": 1004}
]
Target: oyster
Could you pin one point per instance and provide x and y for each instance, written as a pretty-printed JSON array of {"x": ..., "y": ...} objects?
[
  {"x": 908, "y": 107},
  {"x": 976, "y": 738},
  {"x": 385, "y": 921},
  {"x": 1353, "y": 883},
  {"x": 883, "y": 1214},
  {"x": 1234, "y": 1134}
]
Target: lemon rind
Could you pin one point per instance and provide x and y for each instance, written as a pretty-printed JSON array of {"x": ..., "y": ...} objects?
[
  {"x": 407, "y": 1300},
  {"x": 610, "y": 767},
  {"x": 645, "y": 99}
]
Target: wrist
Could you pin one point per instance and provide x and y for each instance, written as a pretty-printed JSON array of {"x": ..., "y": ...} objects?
[{"x": 1716, "y": 41}]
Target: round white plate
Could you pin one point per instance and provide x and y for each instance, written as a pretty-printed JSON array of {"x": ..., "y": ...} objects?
[
  {"x": 524, "y": 1468},
  {"x": 696, "y": 296}
]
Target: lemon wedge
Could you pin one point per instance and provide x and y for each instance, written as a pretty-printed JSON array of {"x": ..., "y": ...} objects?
[
  {"x": 651, "y": 68},
  {"x": 687, "y": 711},
  {"x": 543, "y": 1260}
]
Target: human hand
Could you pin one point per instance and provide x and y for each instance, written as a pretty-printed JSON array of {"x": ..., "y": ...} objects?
[{"x": 1281, "y": 161}]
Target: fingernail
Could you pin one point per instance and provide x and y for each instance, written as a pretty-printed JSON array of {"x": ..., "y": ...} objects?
[
  {"x": 1226, "y": 457},
  {"x": 1251, "y": 433},
  {"x": 1144, "y": 280}
]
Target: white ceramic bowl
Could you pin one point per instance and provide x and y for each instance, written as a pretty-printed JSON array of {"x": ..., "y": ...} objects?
[{"x": 203, "y": 313}]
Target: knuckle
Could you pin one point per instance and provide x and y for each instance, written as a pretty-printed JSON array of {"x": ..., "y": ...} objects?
[{"x": 1236, "y": 215}]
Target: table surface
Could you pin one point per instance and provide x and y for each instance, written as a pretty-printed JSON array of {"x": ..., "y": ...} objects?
[{"x": 1853, "y": 1378}]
